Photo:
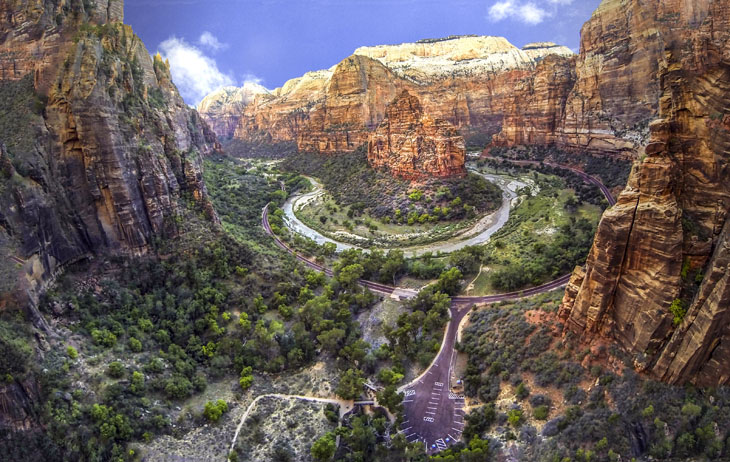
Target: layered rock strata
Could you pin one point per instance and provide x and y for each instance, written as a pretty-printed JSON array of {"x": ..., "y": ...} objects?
[
  {"x": 107, "y": 152},
  {"x": 412, "y": 145},
  {"x": 223, "y": 109},
  {"x": 462, "y": 80},
  {"x": 671, "y": 221}
]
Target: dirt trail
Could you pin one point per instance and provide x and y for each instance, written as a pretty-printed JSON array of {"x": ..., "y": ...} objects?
[{"x": 345, "y": 407}]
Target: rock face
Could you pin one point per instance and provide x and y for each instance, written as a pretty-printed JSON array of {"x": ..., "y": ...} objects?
[
  {"x": 412, "y": 145},
  {"x": 99, "y": 148},
  {"x": 224, "y": 108},
  {"x": 671, "y": 221},
  {"x": 462, "y": 80}
]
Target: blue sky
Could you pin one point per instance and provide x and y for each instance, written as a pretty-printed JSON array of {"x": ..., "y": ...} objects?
[{"x": 211, "y": 43}]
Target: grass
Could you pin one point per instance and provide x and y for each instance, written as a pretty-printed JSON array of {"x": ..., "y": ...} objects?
[
  {"x": 537, "y": 223},
  {"x": 336, "y": 220}
]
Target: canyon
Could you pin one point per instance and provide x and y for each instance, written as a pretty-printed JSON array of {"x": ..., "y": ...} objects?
[
  {"x": 462, "y": 80},
  {"x": 649, "y": 85}
]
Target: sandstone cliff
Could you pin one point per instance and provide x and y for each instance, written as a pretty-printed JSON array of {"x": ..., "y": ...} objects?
[
  {"x": 101, "y": 151},
  {"x": 223, "y": 109},
  {"x": 607, "y": 98},
  {"x": 463, "y": 80},
  {"x": 412, "y": 145},
  {"x": 666, "y": 241}
]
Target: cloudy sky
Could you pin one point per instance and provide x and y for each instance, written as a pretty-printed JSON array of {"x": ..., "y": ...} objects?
[{"x": 213, "y": 43}]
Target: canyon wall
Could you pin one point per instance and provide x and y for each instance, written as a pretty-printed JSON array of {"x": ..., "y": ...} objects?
[
  {"x": 99, "y": 151},
  {"x": 412, "y": 145},
  {"x": 462, "y": 80},
  {"x": 656, "y": 280}
]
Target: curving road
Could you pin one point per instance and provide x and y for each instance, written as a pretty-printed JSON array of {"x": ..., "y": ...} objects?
[
  {"x": 479, "y": 233},
  {"x": 434, "y": 414}
]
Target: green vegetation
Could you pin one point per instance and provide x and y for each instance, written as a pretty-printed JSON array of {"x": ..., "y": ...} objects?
[
  {"x": 612, "y": 172},
  {"x": 215, "y": 409},
  {"x": 324, "y": 448},
  {"x": 378, "y": 196},
  {"x": 617, "y": 415},
  {"x": 678, "y": 310},
  {"x": 209, "y": 308},
  {"x": 16, "y": 349},
  {"x": 546, "y": 236}
]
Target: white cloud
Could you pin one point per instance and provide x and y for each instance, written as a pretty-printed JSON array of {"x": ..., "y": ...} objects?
[
  {"x": 502, "y": 10},
  {"x": 528, "y": 12},
  {"x": 195, "y": 74},
  {"x": 211, "y": 42},
  {"x": 531, "y": 14}
]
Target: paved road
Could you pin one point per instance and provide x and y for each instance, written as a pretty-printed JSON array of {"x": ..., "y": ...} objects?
[
  {"x": 479, "y": 233},
  {"x": 433, "y": 414}
]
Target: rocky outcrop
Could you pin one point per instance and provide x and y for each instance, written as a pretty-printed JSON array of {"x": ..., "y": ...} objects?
[
  {"x": 671, "y": 221},
  {"x": 223, "y": 109},
  {"x": 412, "y": 145},
  {"x": 463, "y": 80},
  {"x": 102, "y": 152},
  {"x": 355, "y": 99}
]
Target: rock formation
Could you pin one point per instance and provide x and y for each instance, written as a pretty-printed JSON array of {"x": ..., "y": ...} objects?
[
  {"x": 671, "y": 221},
  {"x": 100, "y": 149},
  {"x": 223, "y": 109},
  {"x": 463, "y": 80},
  {"x": 412, "y": 145}
]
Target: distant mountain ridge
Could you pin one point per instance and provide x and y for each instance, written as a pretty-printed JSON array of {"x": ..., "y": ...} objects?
[{"x": 461, "y": 80}]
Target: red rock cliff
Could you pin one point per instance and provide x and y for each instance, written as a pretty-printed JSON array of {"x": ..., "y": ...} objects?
[
  {"x": 463, "y": 80},
  {"x": 412, "y": 145},
  {"x": 103, "y": 160},
  {"x": 666, "y": 241}
]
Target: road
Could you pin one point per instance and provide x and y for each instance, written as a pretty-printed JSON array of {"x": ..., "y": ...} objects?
[
  {"x": 479, "y": 233},
  {"x": 434, "y": 414}
]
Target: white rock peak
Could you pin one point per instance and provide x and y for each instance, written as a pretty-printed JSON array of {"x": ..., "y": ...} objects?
[{"x": 465, "y": 55}]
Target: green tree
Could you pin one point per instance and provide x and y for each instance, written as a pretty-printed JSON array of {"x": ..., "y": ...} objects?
[
  {"x": 350, "y": 386},
  {"x": 246, "y": 379},
  {"x": 330, "y": 339},
  {"x": 115, "y": 369},
  {"x": 324, "y": 448},
  {"x": 71, "y": 352},
  {"x": 514, "y": 417},
  {"x": 391, "y": 399},
  {"x": 135, "y": 345},
  {"x": 450, "y": 281},
  {"x": 136, "y": 385},
  {"x": 349, "y": 275}
]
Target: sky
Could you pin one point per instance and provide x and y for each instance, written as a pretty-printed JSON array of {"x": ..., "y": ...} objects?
[{"x": 215, "y": 43}]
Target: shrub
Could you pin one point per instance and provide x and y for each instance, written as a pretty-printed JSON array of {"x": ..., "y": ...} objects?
[
  {"x": 246, "y": 379},
  {"x": 115, "y": 369},
  {"x": 678, "y": 310},
  {"x": 135, "y": 345},
  {"x": 514, "y": 417},
  {"x": 324, "y": 448},
  {"x": 214, "y": 410},
  {"x": 71, "y": 352},
  {"x": 541, "y": 412},
  {"x": 521, "y": 391}
]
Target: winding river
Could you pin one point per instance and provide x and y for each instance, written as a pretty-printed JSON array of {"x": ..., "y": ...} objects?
[{"x": 477, "y": 234}]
